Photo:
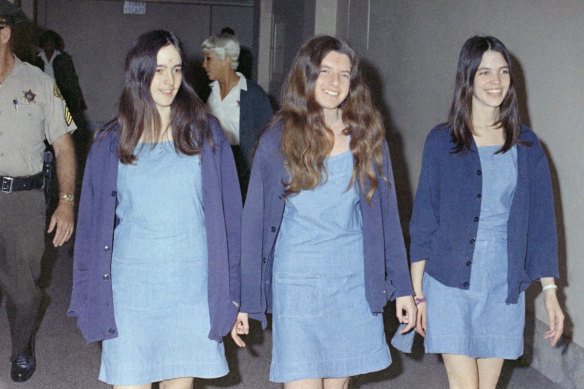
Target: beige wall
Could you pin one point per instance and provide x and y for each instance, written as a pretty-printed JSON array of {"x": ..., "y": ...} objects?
[
  {"x": 97, "y": 35},
  {"x": 412, "y": 49}
]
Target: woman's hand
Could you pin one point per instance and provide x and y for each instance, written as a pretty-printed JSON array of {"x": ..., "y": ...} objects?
[
  {"x": 555, "y": 316},
  {"x": 417, "y": 270},
  {"x": 241, "y": 327},
  {"x": 406, "y": 312},
  {"x": 421, "y": 318}
]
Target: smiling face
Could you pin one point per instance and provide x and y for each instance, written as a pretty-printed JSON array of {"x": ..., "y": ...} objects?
[
  {"x": 167, "y": 78},
  {"x": 333, "y": 82},
  {"x": 491, "y": 81}
]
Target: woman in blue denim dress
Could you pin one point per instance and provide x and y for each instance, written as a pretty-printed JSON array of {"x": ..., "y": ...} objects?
[
  {"x": 483, "y": 226},
  {"x": 170, "y": 275},
  {"x": 322, "y": 169}
]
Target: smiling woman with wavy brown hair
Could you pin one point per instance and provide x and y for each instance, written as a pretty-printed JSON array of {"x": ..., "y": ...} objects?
[
  {"x": 308, "y": 138},
  {"x": 321, "y": 238}
]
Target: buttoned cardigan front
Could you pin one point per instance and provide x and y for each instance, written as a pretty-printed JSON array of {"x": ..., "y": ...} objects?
[
  {"x": 92, "y": 301},
  {"x": 385, "y": 262},
  {"x": 447, "y": 206}
]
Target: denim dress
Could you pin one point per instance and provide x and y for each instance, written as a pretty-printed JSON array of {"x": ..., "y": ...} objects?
[
  {"x": 159, "y": 273},
  {"x": 322, "y": 324},
  {"x": 477, "y": 322}
]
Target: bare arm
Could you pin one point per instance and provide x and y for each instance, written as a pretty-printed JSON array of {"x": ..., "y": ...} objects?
[
  {"x": 552, "y": 306},
  {"x": 62, "y": 219},
  {"x": 417, "y": 270}
]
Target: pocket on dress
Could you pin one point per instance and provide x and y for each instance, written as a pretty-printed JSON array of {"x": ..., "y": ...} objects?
[
  {"x": 497, "y": 271},
  {"x": 131, "y": 286},
  {"x": 192, "y": 283},
  {"x": 297, "y": 295}
]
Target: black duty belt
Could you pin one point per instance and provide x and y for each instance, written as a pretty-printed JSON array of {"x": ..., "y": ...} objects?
[{"x": 14, "y": 184}]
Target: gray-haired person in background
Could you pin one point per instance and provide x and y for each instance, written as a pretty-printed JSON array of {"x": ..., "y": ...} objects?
[{"x": 242, "y": 107}]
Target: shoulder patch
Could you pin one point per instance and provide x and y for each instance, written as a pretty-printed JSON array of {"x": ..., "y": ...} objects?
[
  {"x": 57, "y": 92},
  {"x": 68, "y": 117}
]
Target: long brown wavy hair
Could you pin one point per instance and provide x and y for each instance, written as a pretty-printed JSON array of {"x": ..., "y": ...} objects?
[
  {"x": 138, "y": 114},
  {"x": 307, "y": 141},
  {"x": 459, "y": 120}
]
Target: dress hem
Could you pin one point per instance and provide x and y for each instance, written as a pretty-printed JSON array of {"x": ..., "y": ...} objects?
[
  {"x": 178, "y": 372},
  {"x": 332, "y": 368},
  {"x": 476, "y": 347}
]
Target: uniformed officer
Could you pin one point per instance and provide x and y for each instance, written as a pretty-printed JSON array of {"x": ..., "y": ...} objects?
[{"x": 31, "y": 110}]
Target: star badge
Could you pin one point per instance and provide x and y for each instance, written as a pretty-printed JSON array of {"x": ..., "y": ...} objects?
[{"x": 29, "y": 96}]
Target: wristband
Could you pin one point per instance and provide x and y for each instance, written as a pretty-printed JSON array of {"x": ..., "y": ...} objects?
[
  {"x": 420, "y": 300},
  {"x": 549, "y": 286}
]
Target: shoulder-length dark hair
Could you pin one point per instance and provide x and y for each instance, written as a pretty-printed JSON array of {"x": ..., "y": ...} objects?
[
  {"x": 459, "y": 119},
  {"x": 307, "y": 141},
  {"x": 51, "y": 36},
  {"x": 138, "y": 115}
]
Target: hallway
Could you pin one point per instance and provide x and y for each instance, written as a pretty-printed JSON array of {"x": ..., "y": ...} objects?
[{"x": 65, "y": 362}]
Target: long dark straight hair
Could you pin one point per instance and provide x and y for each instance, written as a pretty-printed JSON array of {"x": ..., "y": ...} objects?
[
  {"x": 459, "y": 119},
  {"x": 138, "y": 115},
  {"x": 307, "y": 141}
]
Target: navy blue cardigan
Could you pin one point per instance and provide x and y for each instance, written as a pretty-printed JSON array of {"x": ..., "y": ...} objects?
[
  {"x": 444, "y": 222},
  {"x": 385, "y": 260},
  {"x": 92, "y": 301},
  {"x": 255, "y": 112}
]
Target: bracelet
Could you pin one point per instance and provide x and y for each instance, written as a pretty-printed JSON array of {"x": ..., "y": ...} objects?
[
  {"x": 549, "y": 286},
  {"x": 420, "y": 300}
]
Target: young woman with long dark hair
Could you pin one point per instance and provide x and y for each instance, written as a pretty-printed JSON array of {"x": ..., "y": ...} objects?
[
  {"x": 483, "y": 226},
  {"x": 322, "y": 247},
  {"x": 156, "y": 273}
]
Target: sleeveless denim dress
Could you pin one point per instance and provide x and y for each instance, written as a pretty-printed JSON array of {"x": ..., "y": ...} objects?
[
  {"x": 477, "y": 322},
  {"x": 322, "y": 323},
  {"x": 159, "y": 273}
]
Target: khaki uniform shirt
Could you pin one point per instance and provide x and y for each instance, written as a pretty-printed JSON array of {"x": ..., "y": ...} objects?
[{"x": 32, "y": 109}]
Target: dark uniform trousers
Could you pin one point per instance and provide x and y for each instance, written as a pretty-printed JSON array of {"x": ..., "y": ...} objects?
[{"x": 22, "y": 243}]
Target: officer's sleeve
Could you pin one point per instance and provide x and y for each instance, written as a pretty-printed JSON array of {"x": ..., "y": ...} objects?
[{"x": 58, "y": 119}]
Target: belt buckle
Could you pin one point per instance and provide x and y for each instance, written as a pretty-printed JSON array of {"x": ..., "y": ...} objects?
[{"x": 7, "y": 184}]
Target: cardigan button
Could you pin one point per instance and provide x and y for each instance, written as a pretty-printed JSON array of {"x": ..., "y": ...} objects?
[
  {"x": 112, "y": 330},
  {"x": 265, "y": 260},
  {"x": 273, "y": 229},
  {"x": 479, "y": 172},
  {"x": 114, "y": 193},
  {"x": 107, "y": 248},
  {"x": 281, "y": 196},
  {"x": 465, "y": 285},
  {"x": 472, "y": 241},
  {"x": 468, "y": 263},
  {"x": 476, "y": 219},
  {"x": 106, "y": 277},
  {"x": 478, "y": 196}
]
